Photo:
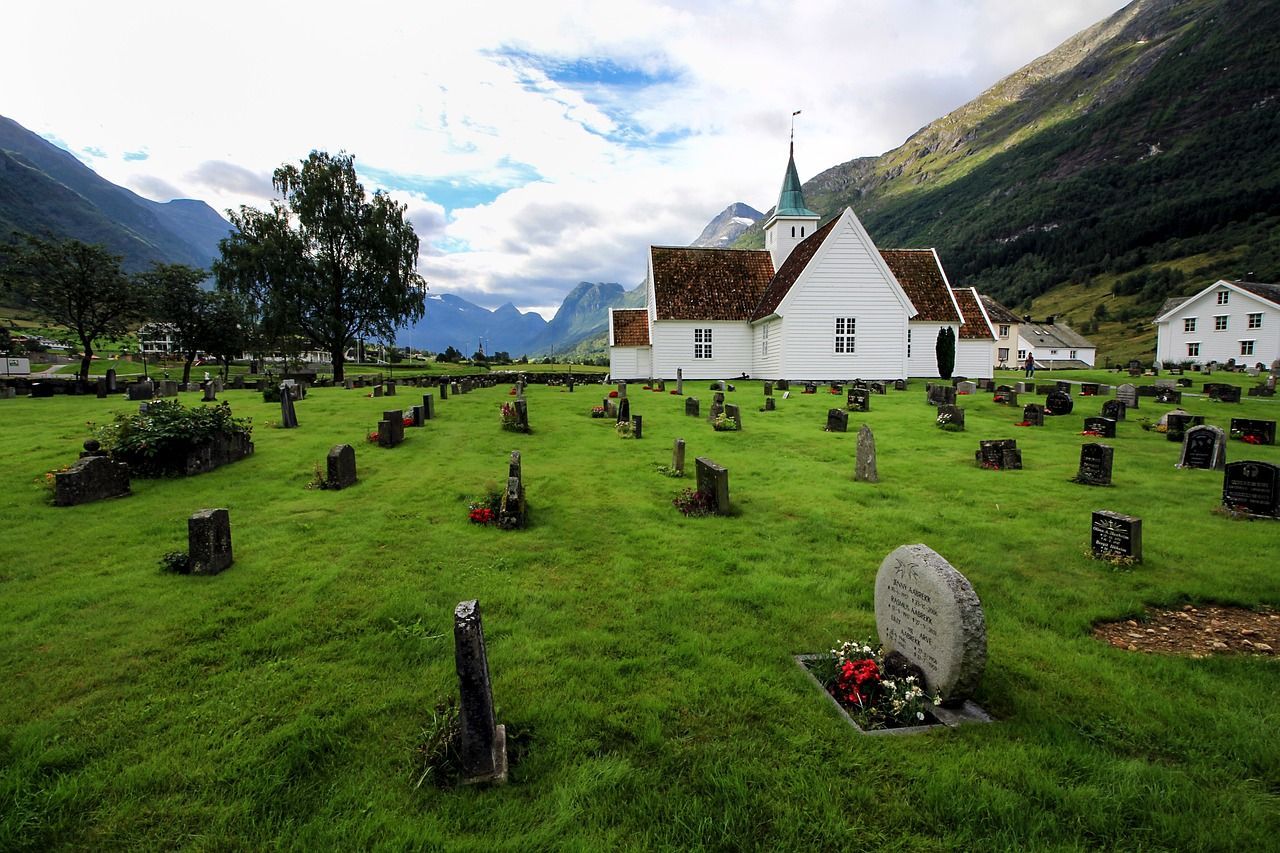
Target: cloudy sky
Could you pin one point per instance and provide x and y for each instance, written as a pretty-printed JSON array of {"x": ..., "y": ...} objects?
[{"x": 536, "y": 145}]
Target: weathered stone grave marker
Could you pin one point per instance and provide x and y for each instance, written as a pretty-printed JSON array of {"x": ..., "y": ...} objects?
[
  {"x": 637, "y": 427},
  {"x": 999, "y": 454},
  {"x": 513, "y": 511},
  {"x": 770, "y": 404},
  {"x": 1178, "y": 422},
  {"x": 864, "y": 469},
  {"x": 950, "y": 417},
  {"x": 713, "y": 481},
  {"x": 677, "y": 456},
  {"x": 624, "y": 409},
  {"x": 482, "y": 743},
  {"x": 939, "y": 395},
  {"x": 340, "y": 467},
  {"x": 1113, "y": 409},
  {"x": 1033, "y": 414},
  {"x": 927, "y": 612},
  {"x": 732, "y": 412},
  {"x": 1128, "y": 394},
  {"x": 209, "y": 541},
  {"x": 1204, "y": 446},
  {"x": 837, "y": 420},
  {"x": 288, "y": 416},
  {"x": 90, "y": 478},
  {"x": 391, "y": 428},
  {"x": 692, "y": 407},
  {"x": 428, "y": 407},
  {"x": 859, "y": 400}
]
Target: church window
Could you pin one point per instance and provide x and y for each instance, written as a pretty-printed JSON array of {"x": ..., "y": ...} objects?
[
  {"x": 845, "y": 327},
  {"x": 702, "y": 343},
  {"x": 801, "y": 230},
  {"x": 793, "y": 231},
  {"x": 764, "y": 340},
  {"x": 908, "y": 343}
]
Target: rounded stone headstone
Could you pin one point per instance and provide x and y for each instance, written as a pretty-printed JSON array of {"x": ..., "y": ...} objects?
[{"x": 928, "y": 612}]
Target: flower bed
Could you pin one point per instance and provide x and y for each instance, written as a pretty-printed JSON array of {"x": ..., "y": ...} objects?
[
  {"x": 694, "y": 503},
  {"x": 878, "y": 692}
]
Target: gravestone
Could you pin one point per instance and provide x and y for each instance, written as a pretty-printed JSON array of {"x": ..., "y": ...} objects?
[
  {"x": 950, "y": 415},
  {"x": 770, "y": 404},
  {"x": 1104, "y": 427},
  {"x": 1204, "y": 447},
  {"x": 837, "y": 420},
  {"x": 444, "y": 391},
  {"x": 1095, "y": 464},
  {"x": 111, "y": 380},
  {"x": 428, "y": 407},
  {"x": 209, "y": 541},
  {"x": 692, "y": 407},
  {"x": 718, "y": 398},
  {"x": 1042, "y": 388},
  {"x": 390, "y": 391},
  {"x": 1006, "y": 397},
  {"x": 899, "y": 384},
  {"x": 637, "y": 427},
  {"x": 1113, "y": 409},
  {"x": 1135, "y": 367},
  {"x": 168, "y": 388},
  {"x": 90, "y": 478},
  {"x": 144, "y": 390},
  {"x": 677, "y": 456},
  {"x": 859, "y": 400},
  {"x": 966, "y": 387},
  {"x": 415, "y": 416},
  {"x": 391, "y": 428},
  {"x": 864, "y": 468},
  {"x": 1229, "y": 394},
  {"x": 210, "y": 392},
  {"x": 1253, "y": 431},
  {"x": 349, "y": 383},
  {"x": 999, "y": 454},
  {"x": 1177, "y": 423},
  {"x": 482, "y": 743},
  {"x": 1128, "y": 394},
  {"x": 522, "y": 414},
  {"x": 1063, "y": 385},
  {"x": 1168, "y": 396},
  {"x": 731, "y": 411},
  {"x": 1112, "y": 534},
  {"x": 624, "y": 409},
  {"x": 680, "y": 381},
  {"x": 340, "y": 467},
  {"x": 1058, "y": 403},
  {"x": 939, "y": 395},
  {"x": 570, "y": 383},
  {"x": 713, "y": 481},
  {"x": 768, "y": 389},
  {"x": 513, "y": 512},
  {"x": 1252, "y": 487},
  {"x": 1165, "y": 383},
  {"x": 1088, "y": 389},
  {"x": 1033, "y": 414},
  {"x": 622, "y": 390},
  {"x": 288, "y": 416},
  {"x": 783, "y": 385},
  {"x": 877, "y": 387},
  {"x": 927, "y": 612}
]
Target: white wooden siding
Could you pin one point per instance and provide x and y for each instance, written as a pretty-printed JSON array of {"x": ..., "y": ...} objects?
[
  {"x": 846, "y": 278},
  {"x": 924, "y": 348},
  {"x": 730, "y": 349},
  {"x": 626, "y": 362},
  {"x": 974, "y": 358},
  {"x": 1172, "y": 339},
  {"x": 767, "y": 366}
]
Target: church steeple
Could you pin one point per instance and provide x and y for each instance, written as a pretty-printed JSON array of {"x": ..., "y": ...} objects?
[{"x": 791, "y": 221}]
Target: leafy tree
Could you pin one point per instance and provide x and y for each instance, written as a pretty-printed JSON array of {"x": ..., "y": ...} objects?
[
  {"x": 74, "y": 284},
  {"x": 178, "y": 300},
  {"x": 479, "y": 357},
  {"x": 449, "y": 354},
  {"x": 326, "y": 260},
  {"x": 946, "y": 351},
  {"x": 230, "y": 329}
]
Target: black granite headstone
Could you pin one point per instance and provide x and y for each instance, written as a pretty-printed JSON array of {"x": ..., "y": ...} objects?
[
  {"x": 1095, "y": 464},
  {"x": 1252, "y": 487},
  {"x": 1113, "y": 534}
]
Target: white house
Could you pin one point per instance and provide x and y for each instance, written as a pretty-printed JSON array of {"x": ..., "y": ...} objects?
[
  {"x": 1054, "y": 345},
  {"x": 1009, "y": 352},
  {"x": 816, "y": 303},
  {"x": 1227, "y": 320}
]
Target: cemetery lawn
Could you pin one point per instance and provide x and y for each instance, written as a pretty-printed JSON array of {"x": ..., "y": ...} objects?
[{"x": 641, "y": 661}]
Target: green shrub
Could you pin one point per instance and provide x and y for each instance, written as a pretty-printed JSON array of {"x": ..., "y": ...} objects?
[{"x": 157, "y": 442}]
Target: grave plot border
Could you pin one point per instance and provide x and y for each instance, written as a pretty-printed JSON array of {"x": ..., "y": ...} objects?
[{"x": 945, "y": 718}]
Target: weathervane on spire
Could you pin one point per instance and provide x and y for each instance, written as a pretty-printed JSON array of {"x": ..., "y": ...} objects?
[{"x": 793, "y": 126}]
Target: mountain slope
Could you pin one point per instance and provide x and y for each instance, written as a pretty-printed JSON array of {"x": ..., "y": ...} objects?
[
  {"x": 46, "y": 190},
  {"x": 730, "y": 224},
  {"x": 451, "y": 321},
  {"x": 1148, "y": 139}
]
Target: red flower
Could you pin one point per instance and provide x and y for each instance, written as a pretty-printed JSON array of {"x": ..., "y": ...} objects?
[
  {"x": 373, "y": 436},
  {"x": 675, "y": 392},
  {"x": 481, "y": 515},
  {"x": 512, "y": 392},
  {"x": 613, "y": 393},
  {"x": 408, "y": 422},
  {"x": 1250, "y": 438},
  {"x": 1023, "y": 423}
]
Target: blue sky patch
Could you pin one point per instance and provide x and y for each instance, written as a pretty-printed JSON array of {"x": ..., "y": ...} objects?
[
  {"x": 457, "y": 191},
  {"x": 93, "y": 151},
  {"x": 136, "y": 155}
]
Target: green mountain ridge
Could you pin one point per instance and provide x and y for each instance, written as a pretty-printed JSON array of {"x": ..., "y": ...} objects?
[{"x": 1140, "y": 159}]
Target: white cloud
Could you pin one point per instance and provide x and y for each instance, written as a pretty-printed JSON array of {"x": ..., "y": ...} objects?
[{"x": 519, "y": 186}]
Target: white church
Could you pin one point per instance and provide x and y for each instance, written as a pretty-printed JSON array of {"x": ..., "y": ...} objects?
[{"x": 817, "y": 303}]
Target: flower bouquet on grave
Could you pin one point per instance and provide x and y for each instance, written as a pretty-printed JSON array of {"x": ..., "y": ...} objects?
[
  {"x": 407, "y": 421},
  {"x": 1023, "y": 423},
  {"x": 511, "y": 393},
  {"x": 372, "y": 437},
  {"x": 694, "y": 503},
  {"x": 1251, "y": 438},
  {"x": 1092, "y": 432},
  {"x": 999, "y": 398},
  {"x": 624, "y": 429},
  {"x": 989, "y": 465},
  {"x": 947, "y": 422},
  {"x": 673, "y": 391},
  {"x": 723, "y": 423},
  {"x": 613, "y": 394},
  {"x": 646, "y": 387},
  {"x": 510, "y": 418},
  {"x": 484, "y": 509},
  {"x": 879, "y": 691},
  {"x": 598, "y": 411}
]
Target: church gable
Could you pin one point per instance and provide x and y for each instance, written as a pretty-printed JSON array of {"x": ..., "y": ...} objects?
[{"x": 708, "y": 284}]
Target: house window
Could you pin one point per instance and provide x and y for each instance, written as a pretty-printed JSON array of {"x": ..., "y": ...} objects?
[
  {"x": 1220, "y": 323},
  {"x": 1255, "y": 321},
  {"x": 1073, "y": 353},
  {"x": 1193, "y": 349},
  {"x": 702, "y": 343},
  {"x": 1189, "y": 324},
  {"x": 1246, "y": 347},
  {"x": 1003, "y": 355},
  {"x": 1022, "y": 355},
  {"x": 1004, "y": 333},
  {"x": 845, "y": 327},
  {"x": 1223, "y": 296},
  {"x": 764, "y": 339}
]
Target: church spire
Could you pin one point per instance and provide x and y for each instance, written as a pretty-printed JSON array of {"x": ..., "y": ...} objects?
[
  {"x": 791, "y": 199},
  {"x": 791, "y": 221}
]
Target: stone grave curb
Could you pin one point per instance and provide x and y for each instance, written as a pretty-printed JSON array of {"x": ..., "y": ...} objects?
[{"x": 947, "y": 718}]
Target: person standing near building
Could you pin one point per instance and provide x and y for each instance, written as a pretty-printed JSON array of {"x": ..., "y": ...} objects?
[{"x": 1030, "y": 365}]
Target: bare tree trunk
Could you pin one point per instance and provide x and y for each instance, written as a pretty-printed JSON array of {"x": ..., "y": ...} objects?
[
  {"x": 339, "y": 355},
  {"x": 186, "y": 369},
  {"x": 85, "y": 359}
]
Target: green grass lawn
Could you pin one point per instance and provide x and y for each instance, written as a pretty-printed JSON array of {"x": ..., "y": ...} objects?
[{"x": 641, "y": 660}]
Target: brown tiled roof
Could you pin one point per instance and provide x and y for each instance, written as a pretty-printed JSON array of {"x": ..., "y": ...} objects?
[
  {"x": 1269, "y": 292},
  {"x": 708, "y": 284},
  {"x": 791, "y": 269},
  {"x": 997, "y": 312},
  {"x": 631, "y": 327},
  {"x": 918, "y": 272},
  {"x": 975, "y": 326}
]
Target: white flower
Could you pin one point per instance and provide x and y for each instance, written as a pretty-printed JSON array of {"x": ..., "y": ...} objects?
[
  {"x": 937, "y": 700},
  {"x": 919, "y": 715}
]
